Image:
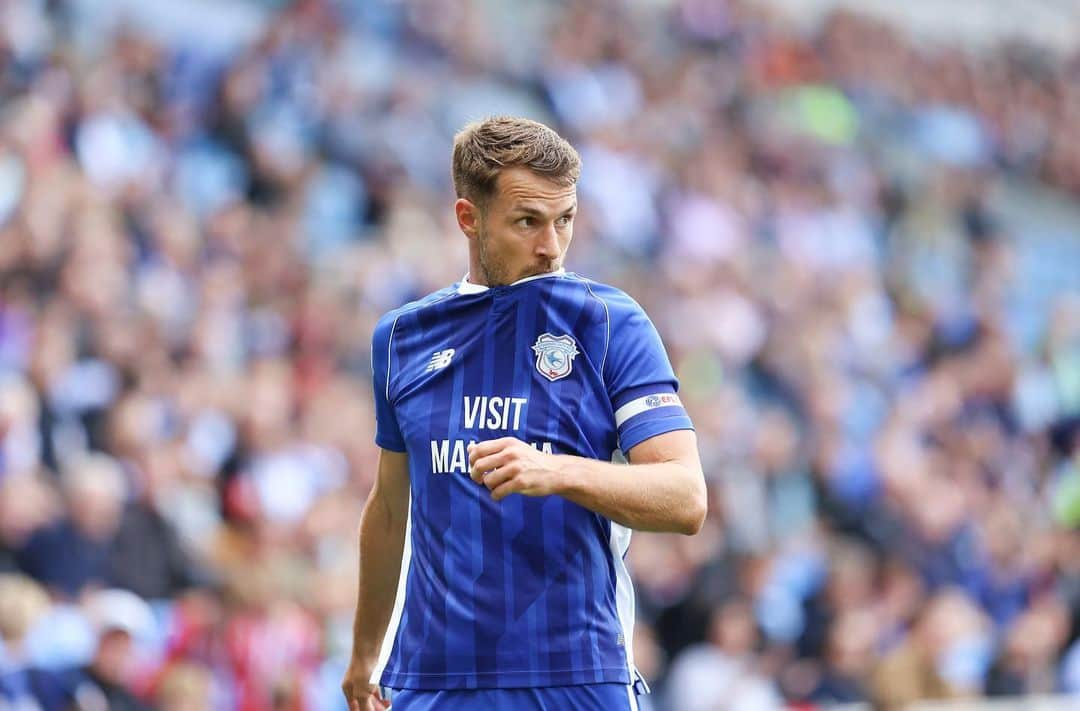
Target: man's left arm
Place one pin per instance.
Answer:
(662, 489)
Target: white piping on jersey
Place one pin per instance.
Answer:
(618, 544)
(644, 403)
(467, 287)
(389, 351)
(607, 330)
(394, 625)
(390, 340)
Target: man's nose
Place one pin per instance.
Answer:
(547, 243)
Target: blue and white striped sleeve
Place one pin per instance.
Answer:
(387, 431)
(640, 381)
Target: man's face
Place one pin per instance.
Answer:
(95, 513)
(526, 227)
(114, 656)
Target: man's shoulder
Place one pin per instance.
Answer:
(386, 322)
(616, 301)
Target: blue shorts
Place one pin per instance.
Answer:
(586, 697)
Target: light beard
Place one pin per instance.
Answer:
(495, 271)
(492, 269)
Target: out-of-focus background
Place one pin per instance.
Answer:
(855, 224)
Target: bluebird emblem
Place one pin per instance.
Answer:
(554, 355)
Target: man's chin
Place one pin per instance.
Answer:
(507, 281)
(539, 271)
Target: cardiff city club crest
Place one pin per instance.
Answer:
(554, 355)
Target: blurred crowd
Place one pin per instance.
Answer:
(204, 211)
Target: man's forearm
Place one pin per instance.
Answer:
(382, 540)
(666, 496)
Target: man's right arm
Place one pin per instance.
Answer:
(382, 542)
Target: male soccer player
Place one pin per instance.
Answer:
(492, 544)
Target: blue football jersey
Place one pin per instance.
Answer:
(527, 591)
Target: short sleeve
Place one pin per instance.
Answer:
(640, 382)
(387, 432)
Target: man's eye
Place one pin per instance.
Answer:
(565, 220)
(526, 221)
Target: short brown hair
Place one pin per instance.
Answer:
(483, 148)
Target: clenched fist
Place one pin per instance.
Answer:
(509, 466)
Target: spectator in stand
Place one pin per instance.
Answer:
(185, 687)
(725, 671)
(74, 552)
(107, 681)
(946, 656)
(22, 684)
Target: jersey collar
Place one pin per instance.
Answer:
(467, 287)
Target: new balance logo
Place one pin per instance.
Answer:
(440, 360)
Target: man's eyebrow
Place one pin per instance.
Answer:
(530, 210)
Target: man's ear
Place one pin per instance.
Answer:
(468, 217)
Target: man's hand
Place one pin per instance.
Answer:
(509, 466)
(360, 693)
